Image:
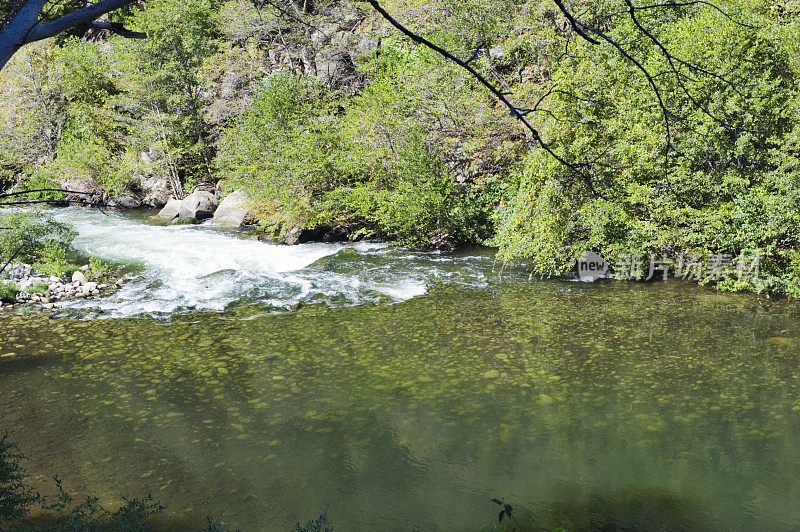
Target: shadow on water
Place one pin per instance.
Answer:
(649, 509)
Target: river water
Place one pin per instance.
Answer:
(260, 384)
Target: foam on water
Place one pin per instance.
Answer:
(198, 267)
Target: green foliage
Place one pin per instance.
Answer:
(731, 185)
(134, 516)
(16, 500)
(98, 269)
(93, 134)
(39, 180)
(281, 151)
(53, 259)
(310, 158)
(320, 524)
(8, 292)
(419, 152)
(38, 288)
(30, 236)
(161, 77)
(15, 497)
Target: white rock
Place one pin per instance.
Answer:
(78, 277)
(171, 210)
(232, 212)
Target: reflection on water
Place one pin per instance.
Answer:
(593, 406)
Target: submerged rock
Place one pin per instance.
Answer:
(232, 212)
(199, 205)
(185, 221)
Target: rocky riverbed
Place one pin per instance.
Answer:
(77, 286)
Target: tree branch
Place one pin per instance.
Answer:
(515, 112)
(118, 29)
(85, 15)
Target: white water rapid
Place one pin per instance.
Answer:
(198, 267)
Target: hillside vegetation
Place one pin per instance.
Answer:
(341, 121)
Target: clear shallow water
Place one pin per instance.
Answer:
(661, 406)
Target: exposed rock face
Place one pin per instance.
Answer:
(126, 201)
(143, 191)
(88, 190)
(292, 237)
(171, 210)
(155, 190)
(199, 205)
(232, 212)
(333, 64)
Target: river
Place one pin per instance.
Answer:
(260, 384)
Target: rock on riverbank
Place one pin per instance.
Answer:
(57, 289)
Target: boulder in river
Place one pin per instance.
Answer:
(232, 211)
(156, 190)
(299, 235)
(128, 200)
(199, 205)
(171, 210)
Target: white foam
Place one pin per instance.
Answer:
(199, 267)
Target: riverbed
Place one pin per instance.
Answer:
(261, 384)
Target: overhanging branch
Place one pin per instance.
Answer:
(515, 111)
(83, 16)
(118, 29)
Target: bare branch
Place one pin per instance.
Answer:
(514, 111)
(692, 3)
(576, 26)
(34, 191)
(14, 256)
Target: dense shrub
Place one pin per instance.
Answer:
(30, 236)
(731, 185)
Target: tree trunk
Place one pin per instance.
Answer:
(8, 47)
